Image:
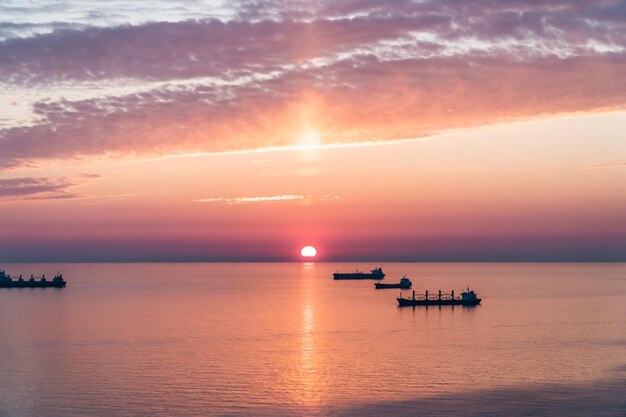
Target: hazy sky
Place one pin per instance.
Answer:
(398, 130)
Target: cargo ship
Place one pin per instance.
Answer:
(468, 298)
(7, 282)
(404, 284)
(376, 273)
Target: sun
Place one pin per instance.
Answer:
(308, 252)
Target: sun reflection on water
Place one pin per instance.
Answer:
(309, 378)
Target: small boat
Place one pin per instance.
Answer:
(468, 298)
(7, 282)
(404, 284)
(376, 273)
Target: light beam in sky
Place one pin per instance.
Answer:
(309, 139)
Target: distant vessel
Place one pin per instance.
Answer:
(7, 282)
(374, 274)
(468, 298)
(404, 284)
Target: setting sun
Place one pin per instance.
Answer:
(308, 252)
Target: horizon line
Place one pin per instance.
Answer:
(309, 261)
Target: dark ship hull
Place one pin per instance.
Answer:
(357, 275)
(408, 302)
(32, 284)
(380, 286)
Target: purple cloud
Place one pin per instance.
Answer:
(389, 99)
(395, 70)
(173, 50)
(35, 188)
(163, 51)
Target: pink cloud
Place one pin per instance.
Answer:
(387, 99)
(342, 67)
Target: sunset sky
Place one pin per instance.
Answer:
(398, 130)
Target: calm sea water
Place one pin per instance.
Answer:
(285, 339)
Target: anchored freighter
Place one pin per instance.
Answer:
(404, 284)
(468, 298)
(374, 274)
(7, 282)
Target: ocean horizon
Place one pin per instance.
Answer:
(357, 261)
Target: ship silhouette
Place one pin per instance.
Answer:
(7, 282)
(376, 273)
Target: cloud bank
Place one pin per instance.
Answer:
(354, 71)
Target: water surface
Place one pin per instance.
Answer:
(285, 339)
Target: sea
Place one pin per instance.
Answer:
(285, 339)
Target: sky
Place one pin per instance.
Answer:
(373, 130)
